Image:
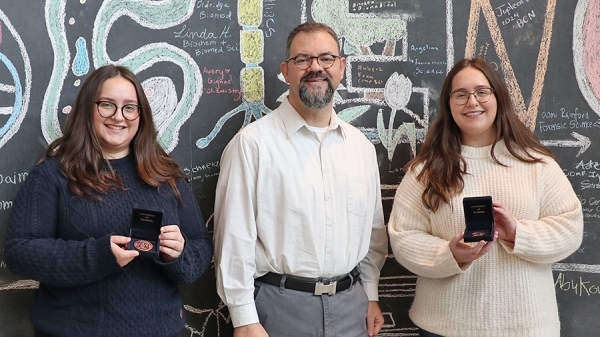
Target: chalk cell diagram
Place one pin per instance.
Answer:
(16, 86)
(169, 112)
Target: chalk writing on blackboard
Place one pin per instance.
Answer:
(396, 62)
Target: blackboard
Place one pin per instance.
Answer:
(212, 66)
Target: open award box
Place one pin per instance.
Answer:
(479, 219)
(144, 232)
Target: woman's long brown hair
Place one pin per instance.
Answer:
(80, 154)
(443, 166)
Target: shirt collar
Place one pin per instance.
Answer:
(292, 121)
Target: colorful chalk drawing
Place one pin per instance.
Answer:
(586, 45)
(19, 88)
(81, 61)
(393, 97)
(385, 28)
(55, 15)
(361, 31)
(154, 15)
(151, 14)
(528, 114)
(252, 76)
(358, 34)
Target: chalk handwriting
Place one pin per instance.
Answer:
(583, 173)
(367, 75)
(13, 179)
(578, 286)
(208, 4)
(269, 14)
(422, 49)
(507, 8)
(219, 81)
(589, 165)
(204, 15)
(214, 41)
(369, 5)
(5, 205)
(198, 172)
(186, 33)
(588, 184)
(198, 168)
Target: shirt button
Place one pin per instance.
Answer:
(327, 197)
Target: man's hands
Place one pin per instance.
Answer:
(250, 330)
(374, 318)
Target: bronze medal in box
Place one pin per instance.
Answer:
(144, 232)
(479, 219)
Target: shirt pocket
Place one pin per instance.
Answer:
(358, 193)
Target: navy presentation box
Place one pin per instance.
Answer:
(479, 219)
(144, 232)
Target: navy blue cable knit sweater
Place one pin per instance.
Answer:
(62, 241)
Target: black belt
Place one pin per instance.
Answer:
(316, 286)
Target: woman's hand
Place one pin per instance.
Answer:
(123, 255)
(464, 253)
(505, 223)
(171, 242)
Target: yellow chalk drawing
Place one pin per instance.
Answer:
(252, 77)
(250, 12)
(251, 45)
(253, 87)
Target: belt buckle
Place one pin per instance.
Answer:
(322, 288)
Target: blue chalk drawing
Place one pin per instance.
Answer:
(18, 95)
(81, 62)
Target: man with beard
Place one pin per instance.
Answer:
(299, 229)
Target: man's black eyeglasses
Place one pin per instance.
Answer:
(304, 61)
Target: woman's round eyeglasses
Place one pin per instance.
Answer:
(461, 97)
(304, 61)
(108, 109)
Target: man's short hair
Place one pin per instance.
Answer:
(309, 27)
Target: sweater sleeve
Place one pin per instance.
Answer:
(198, 251)
(33, 247)
(559, 230)
(411, 238)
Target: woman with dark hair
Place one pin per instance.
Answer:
(70, 224)
(479, 147)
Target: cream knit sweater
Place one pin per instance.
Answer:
(510, 290)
